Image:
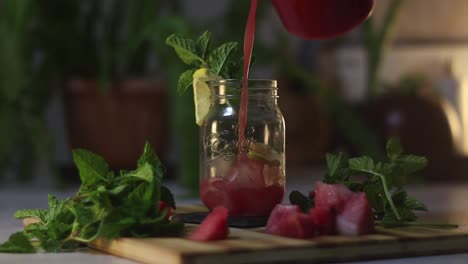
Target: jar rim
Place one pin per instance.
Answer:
(253, 83)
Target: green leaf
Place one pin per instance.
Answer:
(218, 57)
(335, 163)
(233, 68)
(374, 194)
(389, 220)
(35, 213)
(119, 189)
(411, 163)
(185, 81)
(203, 42)
(139, 200)
(395, 173)
(407, 214)
(414, 204)
(92, 168)
(167, 197)
(149, 156)
(186, 49)
(144, 172)
(123, 205)
(399, 197)
(362, 163)
(17, 243)
(56, 206)
(299, 199)
(394, 148)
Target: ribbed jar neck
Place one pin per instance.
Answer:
(232, 88)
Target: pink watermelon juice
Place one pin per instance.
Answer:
(250, 188)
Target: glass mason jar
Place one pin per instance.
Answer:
(250, 180)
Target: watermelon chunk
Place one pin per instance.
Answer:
(290, 221)
(353, 211)
(213, 227)
(331, 196)
(247, 173)
(163, 206)
(324, 220)
(356, 217)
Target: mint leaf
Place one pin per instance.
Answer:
(92, 168)
(203, 42)
(299, 199)
(118, 190)
(335, 163)
(399, 197)
(411, 163)
(414, 204)
(32, 213)
(149, 156)
(374, 194)
(396, 173)
(123, 204)
(167, 197)
(17, 243)
(394, 148)
(362, 163)
(56, 207)
(185, 81)
(144, 172)
(233, 68)
(218, 57)
(186, 49)
(222, 61)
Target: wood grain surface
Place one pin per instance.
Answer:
(255, 246)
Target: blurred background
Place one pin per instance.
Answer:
(97, 75)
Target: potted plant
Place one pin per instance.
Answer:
(105, 58)
(24, 92)
(419, 119)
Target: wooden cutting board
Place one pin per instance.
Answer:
(255, 246)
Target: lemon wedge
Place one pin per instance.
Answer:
(202, 93)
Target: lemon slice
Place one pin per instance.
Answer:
(202, 93)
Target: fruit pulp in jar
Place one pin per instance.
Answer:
(251, 185)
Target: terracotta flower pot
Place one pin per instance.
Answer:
(423, 127)
(116, 125)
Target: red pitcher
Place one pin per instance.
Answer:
(319, 19)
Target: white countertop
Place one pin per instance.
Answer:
(443, 199)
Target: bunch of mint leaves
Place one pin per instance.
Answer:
(223, 60)
(108, 205)
(382, 181)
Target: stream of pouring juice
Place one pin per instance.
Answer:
(249, 37)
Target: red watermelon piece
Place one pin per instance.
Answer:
(213, 227)
(356, 217)
(247, 173)
(290, 221)
(331, 196)
(324, 220)
(162, 205)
